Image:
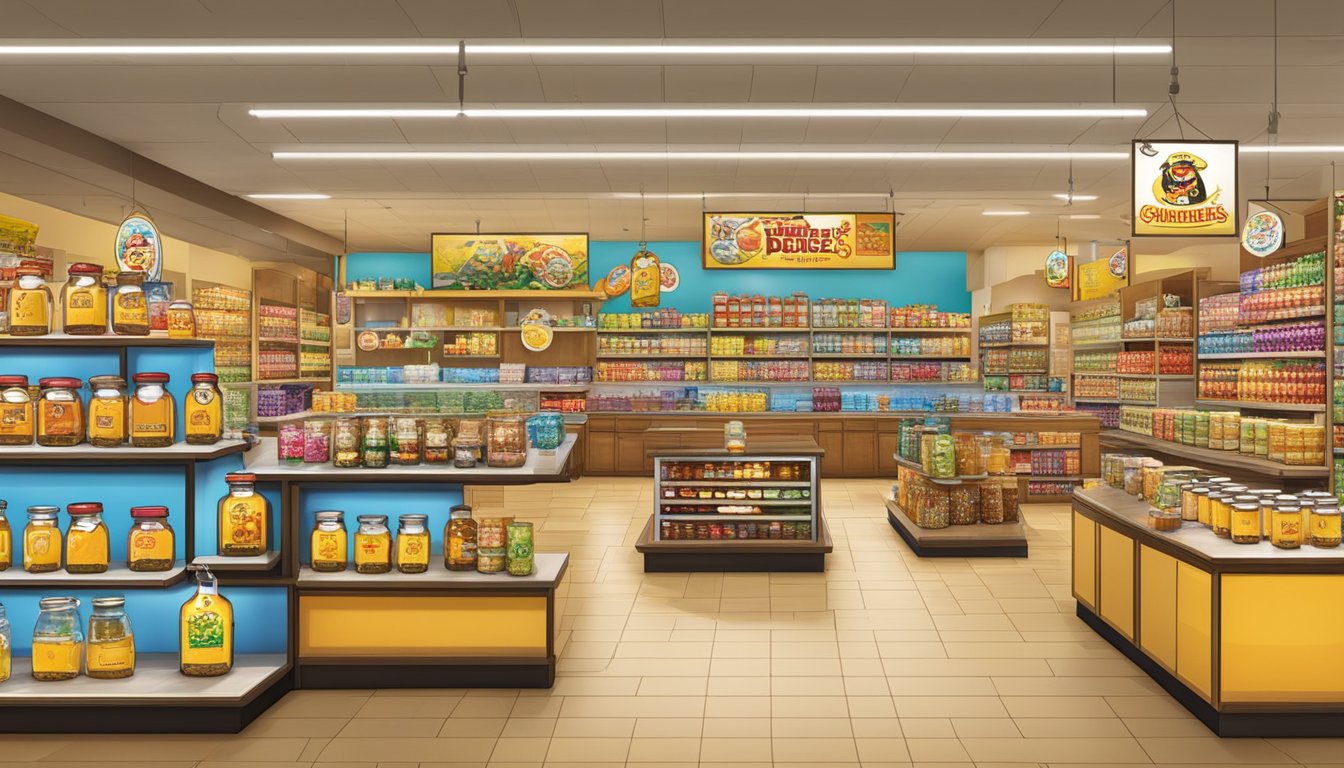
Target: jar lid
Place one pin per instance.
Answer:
(28, 271)
(1219, 495)
(150, 377)
(149, 511)
(180, 304)
(525, 524)
(1247, 507)
(330, 516)
(43, 511)
(414, 519)
(1200, 489)
(1234, 488)
(204, 378)
(60, 382)
(1326, 512)
(58, 603)
(13, 381)
(108, 602)
(1288, 508)
(381, 519)
(84, 268)
(85, 508)
(105, 382)
(1306, 503)
(1285, 497)
(1220, 480)
(130, 277)
(240, 477)
(1246, 498)
(1265, 491)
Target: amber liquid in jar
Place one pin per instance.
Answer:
(150, 544)
(244, 518)
(6, 540)
(1286, 528)
(86, 542)
(328, 543)
(42, 541)
(412, 544)
(153, 412)
(459, 551)
(29, 304)
(373, 545)
(130, 306)
(60, 413)
(85, 301)
(203, 411)
(107, 412)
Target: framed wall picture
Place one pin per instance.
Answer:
(509, 262)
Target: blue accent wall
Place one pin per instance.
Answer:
(919, 278)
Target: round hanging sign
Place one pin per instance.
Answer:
(139, 248)
(1262, 234)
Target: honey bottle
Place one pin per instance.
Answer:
(244, 518)
(205, 640)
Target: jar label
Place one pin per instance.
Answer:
(83, 308)
(151, 413)
(130, 309)
(243, 525)
(16, 419)
(203, 416)
(372, 549)
(107, 418)
(6, 546)
(151, 545)
(60, 419)
(412, 549)
(328, 547)
(41, 546)
(51, 657)
(205, 632)
(28, 308)
(112, 656)
(461, 550)
(86, 546)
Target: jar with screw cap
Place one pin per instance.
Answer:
(109, 644)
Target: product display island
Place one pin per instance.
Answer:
(971, 538)
(1245, 636)
(753, 510)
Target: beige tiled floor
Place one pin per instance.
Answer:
(885, 660)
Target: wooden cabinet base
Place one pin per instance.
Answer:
(729, 556)
(1003, 540)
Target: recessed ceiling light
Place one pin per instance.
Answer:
(701, 195)
(1006, 213)
(1289, 149)
(289, 196)
(694, 155)
(1076, 198)
(1084, 216)
(656, 49)
(670, 112)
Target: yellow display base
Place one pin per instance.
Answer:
(1281, 638)
(384, 626)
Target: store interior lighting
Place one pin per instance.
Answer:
(670, 112)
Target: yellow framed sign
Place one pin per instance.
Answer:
(798, 241)
(1184, 188)
(1102, 277)
(516, 262)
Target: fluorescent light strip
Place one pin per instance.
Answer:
(585, 113)
(289, 196)
(64, 48)
(695, 155)
(1081, 216)
(1006, 213)
(1076, 198)
(1293, 149)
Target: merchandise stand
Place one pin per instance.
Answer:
(663, 554)
(1246, 637)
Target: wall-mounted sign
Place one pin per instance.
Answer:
(1184, 188)
(799, 241)
(139, 248)
(616, 282)
(1057, 269)
(537, 337)
(1103, 276)
(1263, 233)
(509, 262)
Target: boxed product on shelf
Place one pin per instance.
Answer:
(453, 375)
(512, 373)
(1267, 381)
(1096, 386)
(559, 374)
(1107, 413)
(1135, 361)
(927, 316)
(760, 311)
(955, 345)
(860, 344)
(759, 370)
(277, 364)
(849, 313)
(691, 345)
(1219, 313)
(1146, 309)
(665, 317)
(1030, 322)
(763, 345)
(473, 343)
(1095, 362)
(563, 402)
(273, 401)
(1028, 360)
(650, 370)
(860, 370)
(1175, 323)
(334, 402)
(1138, 389)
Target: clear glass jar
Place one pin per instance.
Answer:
(406, 430)
(130, 306)
(87, 548)
(375, 451)
(110, 644)
(60, 412)
(519, 544)
(506, 441)
(1220, 514)
(181, 320)
(244, 518)
(58, 641)
(1246, 523)
(438, 439)
(84, 300)
(153, 421)
(107, 411)
(412, 544)
(328, 543)
(1325, 527)
(459, 551)
(1285, 530)
(6, 646)
(346, 444)
(203, 411)
(373, 545)
(205, 639)
(151, 544)
(6, 538)
(316, 441)
(29, 304)
(42, 540)
(17, 420)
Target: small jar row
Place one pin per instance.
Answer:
(85, 303)
(85, 546)
(56, 416)
(488, 545)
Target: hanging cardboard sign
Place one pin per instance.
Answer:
(799, 241)
(1184, 188)
(1103, 276)
(1263, 233)
(646, 278)
(139, 247)
(1057, 269)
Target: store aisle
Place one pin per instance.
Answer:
(884, 660)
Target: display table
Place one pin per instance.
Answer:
(978, 540)
(766, 498)
(1245, 636)
(1232, 463)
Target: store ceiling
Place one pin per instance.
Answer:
(191, 114)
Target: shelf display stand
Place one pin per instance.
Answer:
(721, 511)
(187, 479)
(1006, 539)
(1242, 635)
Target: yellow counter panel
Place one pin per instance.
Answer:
(1157, 606)
(380, 626)
(1116, 581)
(1085, 560)
(1194, 629)
(1282, 638)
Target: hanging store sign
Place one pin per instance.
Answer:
(139, 247)
(799, 241)
(519, 262)
(1263, 233)
(1103, 276)
(1057, 270)
(1184, 188)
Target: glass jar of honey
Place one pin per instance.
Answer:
(1220, 514)
(328, 545)
(130, 307)
(181, 320)
(203, 410)
(60, 412)
(1201, 493)
(459, 550)
(29, 304)
(153, 411)
(412, 544)
(1245, 523)
(58, 640)
(87, 548)
(110, 643)
(17, 423)
(42, 540)
(1285, 526)
(1189, 502)
(6, 646)
(150, 546)
(84, 300)
(107, 411)
(373, 545)
(1325, 527)
(6, 538)
(244, 518)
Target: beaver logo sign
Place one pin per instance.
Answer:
(1185, 188)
